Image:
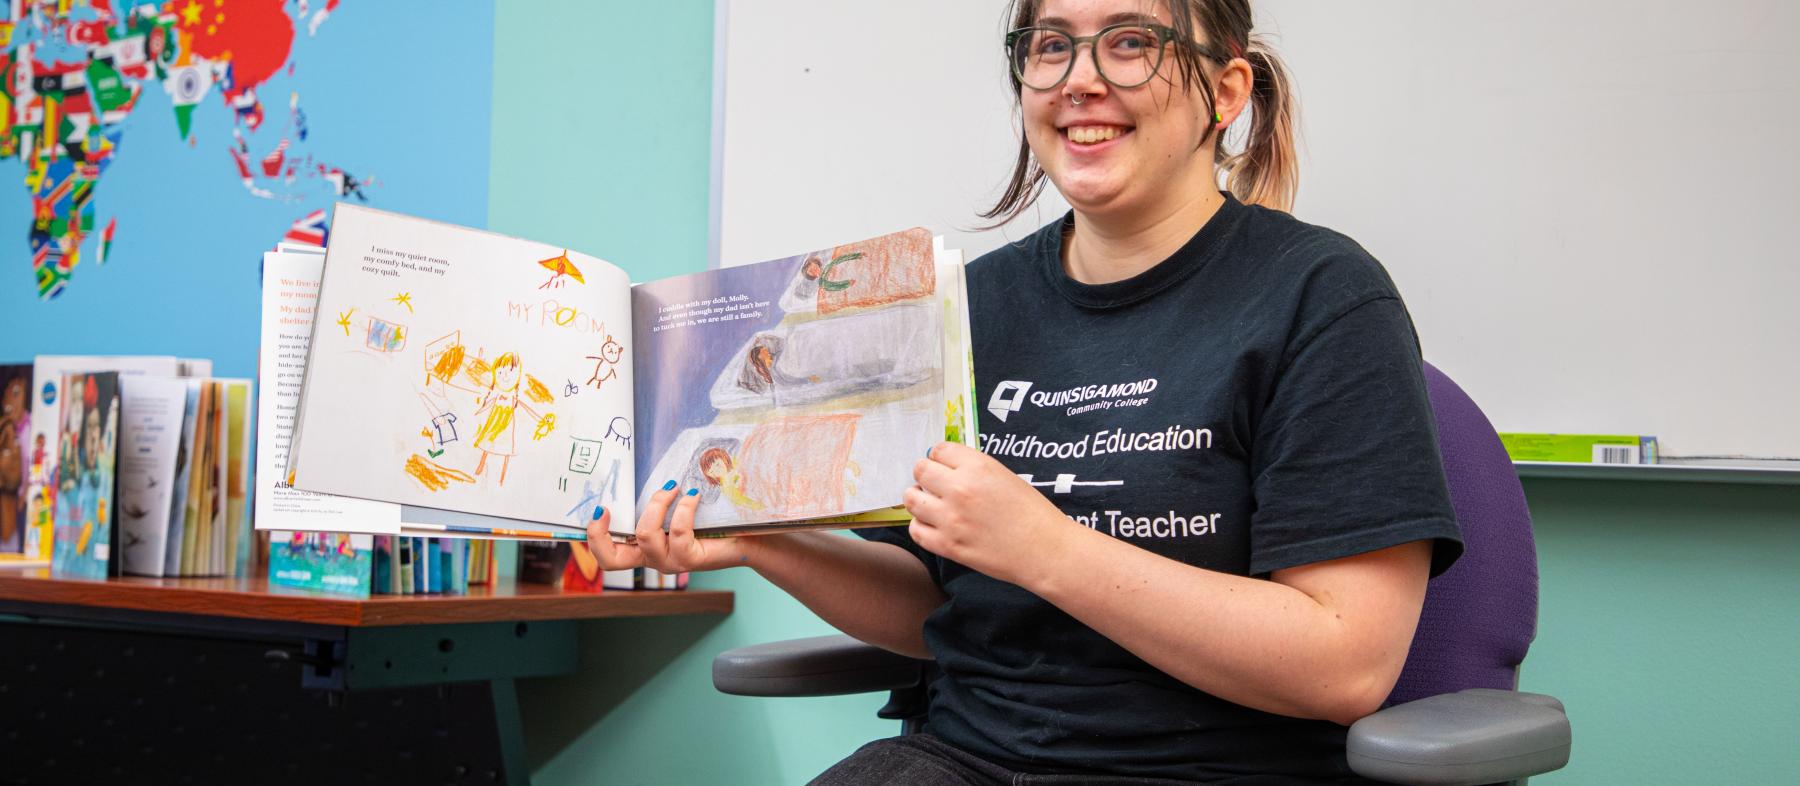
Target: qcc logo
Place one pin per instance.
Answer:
(1009, 397)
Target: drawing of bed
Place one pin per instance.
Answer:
(796, 467)
(883, 349)
(887, 269)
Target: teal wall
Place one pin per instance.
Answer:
(602, 129)
(1670, 612)
(601, 139)
(1669, 625)
(642, 710)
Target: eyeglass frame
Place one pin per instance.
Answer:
(1166, 35)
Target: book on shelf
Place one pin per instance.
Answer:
(137, 465)
(49, 438)
(570, 566)
(362, 565)
(1580, 448)
(87, 477)
(15, 459)
(469, 383)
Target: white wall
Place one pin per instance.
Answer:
(850, 120)
(1583, 201)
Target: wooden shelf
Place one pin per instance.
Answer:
(255, 599)
(1756, 473)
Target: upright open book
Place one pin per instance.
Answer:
(494, 386)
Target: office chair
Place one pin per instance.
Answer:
(1454, 717)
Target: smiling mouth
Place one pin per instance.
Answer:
(1093, 135)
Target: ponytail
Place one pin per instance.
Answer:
(1267, 171)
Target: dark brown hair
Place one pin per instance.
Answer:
(1266, 172)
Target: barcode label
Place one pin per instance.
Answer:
(1615, 454)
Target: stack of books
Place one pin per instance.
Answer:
(362, 565)
(126, 464)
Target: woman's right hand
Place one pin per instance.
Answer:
(674, 551)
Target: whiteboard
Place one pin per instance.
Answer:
(1582, 201)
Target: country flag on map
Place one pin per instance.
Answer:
(310, 230)
(51, 269)
(106, 236)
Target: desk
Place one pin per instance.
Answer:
(204, 680)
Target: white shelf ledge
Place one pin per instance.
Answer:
(1754, 472)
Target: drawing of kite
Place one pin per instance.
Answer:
(560, 268)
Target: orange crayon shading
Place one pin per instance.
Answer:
(477, 371)
(448, 363)
(536, 391)
(434, 476)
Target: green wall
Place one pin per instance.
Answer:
(1670, 611)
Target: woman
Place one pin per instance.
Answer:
(1237, 570)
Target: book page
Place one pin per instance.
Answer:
(792, 389)
(149, 447)
(290, 295)
(459, 369)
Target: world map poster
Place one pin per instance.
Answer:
(150, 152)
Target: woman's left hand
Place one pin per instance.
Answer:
(969, 508)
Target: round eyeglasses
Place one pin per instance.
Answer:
(1125, 55)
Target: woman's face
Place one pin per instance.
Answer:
(1151, 153)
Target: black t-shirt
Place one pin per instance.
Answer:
(1252, 403)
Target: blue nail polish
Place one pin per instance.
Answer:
(668, 485)
(928, 451)
(599, 510)
(692, 492)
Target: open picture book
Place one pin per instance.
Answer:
(496, 387)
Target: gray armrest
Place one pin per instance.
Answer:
(1474, 736)
(819, 666)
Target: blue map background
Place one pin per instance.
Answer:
(400, 91)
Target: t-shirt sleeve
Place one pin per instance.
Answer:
(898, 536)
(1346, 456)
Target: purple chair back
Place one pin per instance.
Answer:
(1480, 615)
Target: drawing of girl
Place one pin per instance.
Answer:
(498, 433)
(718, 469)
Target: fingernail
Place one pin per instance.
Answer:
(668, 485)
(692, 492)
(599, 510)
(928, 451)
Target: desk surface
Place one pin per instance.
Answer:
(255, 599)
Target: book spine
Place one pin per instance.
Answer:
(1581, 448)
(382, 564)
